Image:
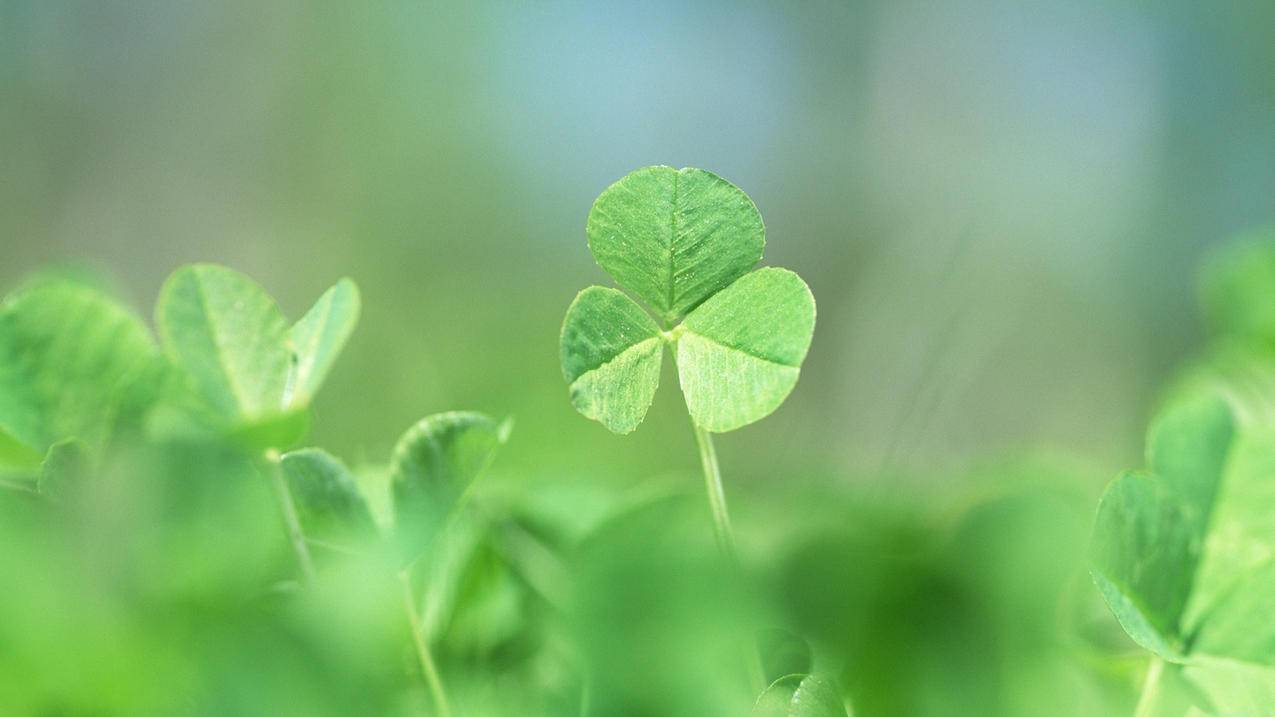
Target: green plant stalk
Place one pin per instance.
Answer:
(726, 537)
(428, 666)
(291, 521)
(1150, 689)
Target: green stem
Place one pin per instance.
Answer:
(1150, 689)
(725, 536)
(428, 667)
(290, 519)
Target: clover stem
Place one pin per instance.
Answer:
(291, 520)
(428, 667)
(725, 535)
(1150, 689)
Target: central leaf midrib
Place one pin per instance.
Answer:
(669, 312)
(738, 349)
(214, 334)
(614, 358)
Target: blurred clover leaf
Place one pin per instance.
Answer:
(433, 467)
(247, 367)
(69, 355)
(1184, 554)
(800, 696)
(684, 242)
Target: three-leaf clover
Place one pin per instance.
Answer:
(1184, 553)
(684, 242)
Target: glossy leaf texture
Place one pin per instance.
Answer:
(330, 507)
(800, 696)
(68, 357)
(432, 467)
(317, 339)
(1185, 554)
(740, 353)
(611, 352)
(674, 237)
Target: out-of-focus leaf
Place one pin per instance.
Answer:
(329, 504)
(317, 339)
(64, 469)
(783, 653)
(67, 356)
(675, 237)
(1234, 688)
(741, 351)
(229, 336)
(800, 696)
(280, 429)
(1184, 555)
(611, 353)
(433, 465)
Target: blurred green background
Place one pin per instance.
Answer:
(999, 206)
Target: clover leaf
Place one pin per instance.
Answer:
(69, 355)
(247, 367)
(1184, 554)
(432, 468)
(685, 242)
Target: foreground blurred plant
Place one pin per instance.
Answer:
(1184, 553)
(685, 242)
(76, 368)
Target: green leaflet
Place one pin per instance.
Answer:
(741, 351)
(800, 696)
(68, 357)
(684, 241)
(241, 361)
(331, 508)
(229, 336)
(317, 339)
(611, 352)
(1184, 554)
(675, 237)
(433, 465)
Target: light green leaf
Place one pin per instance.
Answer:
(675, 237)
(739, 354)
(229, 336)
(611, 352)
(331, 508)
(800, 696)
(1235, 689)
(317, 340)
(433, 466)
(68, 355)
(1184, 556)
